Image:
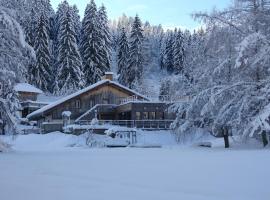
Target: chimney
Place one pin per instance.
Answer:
(108, 76)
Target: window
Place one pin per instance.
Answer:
(92, 103)
(56, 115)
(78, 104)
(145, 115)
(105, 101)
(159, 115)
(152, 115)
(138, 116)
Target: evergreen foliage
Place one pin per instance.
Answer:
(123, 58)
(178, 53)
(69, 77)
(135, 64)
(90, 45)
(105, 40)
(41, 73)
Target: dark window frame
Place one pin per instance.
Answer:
(78, 104)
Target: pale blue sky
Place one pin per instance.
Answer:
(169, 13)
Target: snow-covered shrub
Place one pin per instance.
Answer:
(242, 107)
(4, 147)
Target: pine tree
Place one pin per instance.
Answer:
(69, 76)
(168, 54)
(30, 28)
(123, 58)
(165, 89)
(105, 40)
(90, 45)
(135, 65)
(58, 18)
(41, 73)
(178, 53)
(77, 23)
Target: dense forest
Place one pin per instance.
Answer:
(223, 67)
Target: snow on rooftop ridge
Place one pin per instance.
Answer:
(109, 73)
(25, 87)
(62, 100)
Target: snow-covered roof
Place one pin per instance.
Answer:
(64, 99)
(25, 87)
(48, 99)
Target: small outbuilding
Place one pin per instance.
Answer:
(28, 95)
(27, 92)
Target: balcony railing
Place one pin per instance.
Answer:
(163, 99)
(141, 124)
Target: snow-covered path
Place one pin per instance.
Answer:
(132, 174)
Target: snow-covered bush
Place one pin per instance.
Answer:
(242, 107)
(4, 147)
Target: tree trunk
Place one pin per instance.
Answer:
(226, 141)
(226, 137)
(264, 139)
(3, 128)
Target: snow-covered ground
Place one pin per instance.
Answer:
(58, 166)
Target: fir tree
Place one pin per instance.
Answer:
(69, 62)
(105, 40)
(41, 73)
(178, 53)
(123, 56)
(135, 65)
(90, 45)
(77, 23)
(30, 28)
(61, 12)
(168, 54)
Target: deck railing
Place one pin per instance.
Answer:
(162, 98)
(143, 124)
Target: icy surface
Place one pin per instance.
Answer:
(46, 167)
(25, 87)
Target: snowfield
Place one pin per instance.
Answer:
(57, 166)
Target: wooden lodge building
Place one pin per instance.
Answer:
(28, 95)
(109, 102)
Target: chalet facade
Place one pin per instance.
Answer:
(106, 100)
(27, 92)
(28, 95)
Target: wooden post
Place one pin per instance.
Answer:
(264, 138)
(226, 137)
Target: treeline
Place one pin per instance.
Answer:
(72, 53)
